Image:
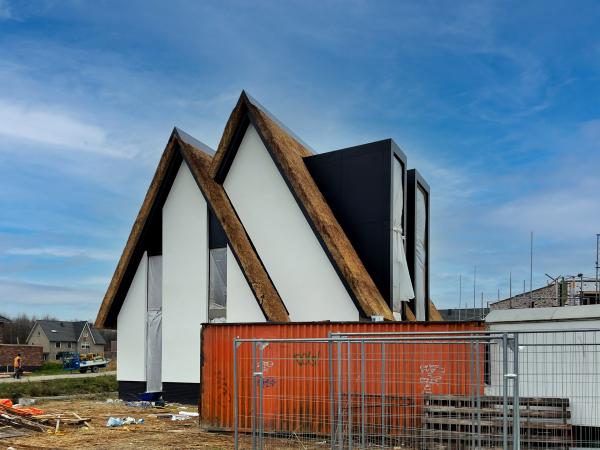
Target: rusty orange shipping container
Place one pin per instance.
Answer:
(302, 381)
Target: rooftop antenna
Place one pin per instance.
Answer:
(474, 284)
(555, 280)
(531, 266)
(481, 305)
(459, 294)
(510, 290)
(597, 267)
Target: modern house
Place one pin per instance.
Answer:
(263, 229)
(58, 337)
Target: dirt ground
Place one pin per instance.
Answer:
(154, 433)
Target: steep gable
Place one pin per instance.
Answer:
(287, 152)
(182, 147)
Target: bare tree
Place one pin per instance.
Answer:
(16, 331)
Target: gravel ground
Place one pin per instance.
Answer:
(153, 434)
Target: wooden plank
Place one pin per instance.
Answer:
(85, 421)
(532, 401)
(532, 413)
(462, 436)
(495, 423)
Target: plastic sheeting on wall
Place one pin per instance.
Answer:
(217, 290)
(154, 325)
(421, 255)
(402, 288)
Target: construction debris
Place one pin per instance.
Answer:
(119, 422)
(17, 420)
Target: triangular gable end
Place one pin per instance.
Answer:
(287, 152)
(182, 147)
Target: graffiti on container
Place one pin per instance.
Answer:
(266, 366)
(307, 358)
(431, 375)
(269, 382)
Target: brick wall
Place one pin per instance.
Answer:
(32, 355)
(541, 298)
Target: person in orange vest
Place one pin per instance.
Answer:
(18, 365)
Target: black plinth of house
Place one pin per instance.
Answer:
(415, 183)
(129, 390)
(357, 184)
(184, 393)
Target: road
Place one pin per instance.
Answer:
(57, 377)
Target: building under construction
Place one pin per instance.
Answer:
(564, 291)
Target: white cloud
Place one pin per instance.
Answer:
(63, 252)
(50, 126)
(67, 303)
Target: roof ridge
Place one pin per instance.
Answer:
(191, 140)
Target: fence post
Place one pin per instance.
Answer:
(339, 382)
(471, 392)
(478, 390)
(383, 394)
(331, 389)
(505, 391)
(363, 437)
(516, 405)
(253, 405)
(235, 396)
(349, 396)
(261, 418)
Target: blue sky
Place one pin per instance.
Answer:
(496, 103)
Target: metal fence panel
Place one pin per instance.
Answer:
(493, 390)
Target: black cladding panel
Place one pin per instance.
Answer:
(356, 182)
(416, 183)
(216, 234)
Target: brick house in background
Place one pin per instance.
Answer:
(57, 337)
(3, 320)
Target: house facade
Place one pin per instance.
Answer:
(57, 337)
(263, 229)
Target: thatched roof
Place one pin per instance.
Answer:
(182, 147)
(288, 152)
(209, 170)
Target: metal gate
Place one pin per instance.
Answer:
(378, 390)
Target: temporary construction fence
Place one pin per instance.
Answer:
(363, 391)
(217, 362)
(420, 390)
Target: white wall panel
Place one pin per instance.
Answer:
(131, 328)
(291, 253)
(241, 303)
(185, 278)
(554, 364)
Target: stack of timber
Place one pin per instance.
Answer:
(465, 422)
(15, 422)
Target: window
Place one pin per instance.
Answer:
(68, 345)
(57, 344)
(217, 288)
(85, 345)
